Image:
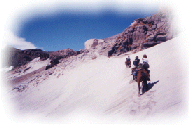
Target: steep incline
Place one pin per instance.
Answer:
(101, 89)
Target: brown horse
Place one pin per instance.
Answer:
(128, 64)
(142, 76)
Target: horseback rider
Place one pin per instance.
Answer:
(140, 66)
(136, 62)
(128, 61)
(145, 64)
(135, 69)
(141, 73)
(128, 58)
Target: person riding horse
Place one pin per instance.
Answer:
(128, 62)
(134, 70)
(136, 62)
(143, 74)
(145, 64)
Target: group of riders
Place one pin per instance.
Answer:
(140, 71)
(139, 65)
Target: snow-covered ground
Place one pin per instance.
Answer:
(101, 91)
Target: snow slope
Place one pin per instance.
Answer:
(101, 91)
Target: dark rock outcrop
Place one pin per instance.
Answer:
(143, 33)
(16, 57)
(33, 53)
(57, 55)
(63, 54)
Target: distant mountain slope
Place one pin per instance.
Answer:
(16, 57)
(101, 89)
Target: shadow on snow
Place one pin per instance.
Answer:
(149, 86)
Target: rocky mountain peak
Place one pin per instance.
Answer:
(141, 34)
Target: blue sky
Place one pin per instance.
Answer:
(62, 31)
(57, 25)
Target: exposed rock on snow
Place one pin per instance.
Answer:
(16, 57)
(92, 43)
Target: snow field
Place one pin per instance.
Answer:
(101, 90)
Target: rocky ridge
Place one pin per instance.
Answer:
(16, 57)
(141, 34)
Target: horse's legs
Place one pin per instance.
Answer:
(145, 86)
(139, 88)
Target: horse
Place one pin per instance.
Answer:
(128, 64)
(142, 76)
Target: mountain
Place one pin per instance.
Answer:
(17, 58)
(141, 34)
(102, 88)
(89, 87)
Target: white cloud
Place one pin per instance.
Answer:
(20, 43)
